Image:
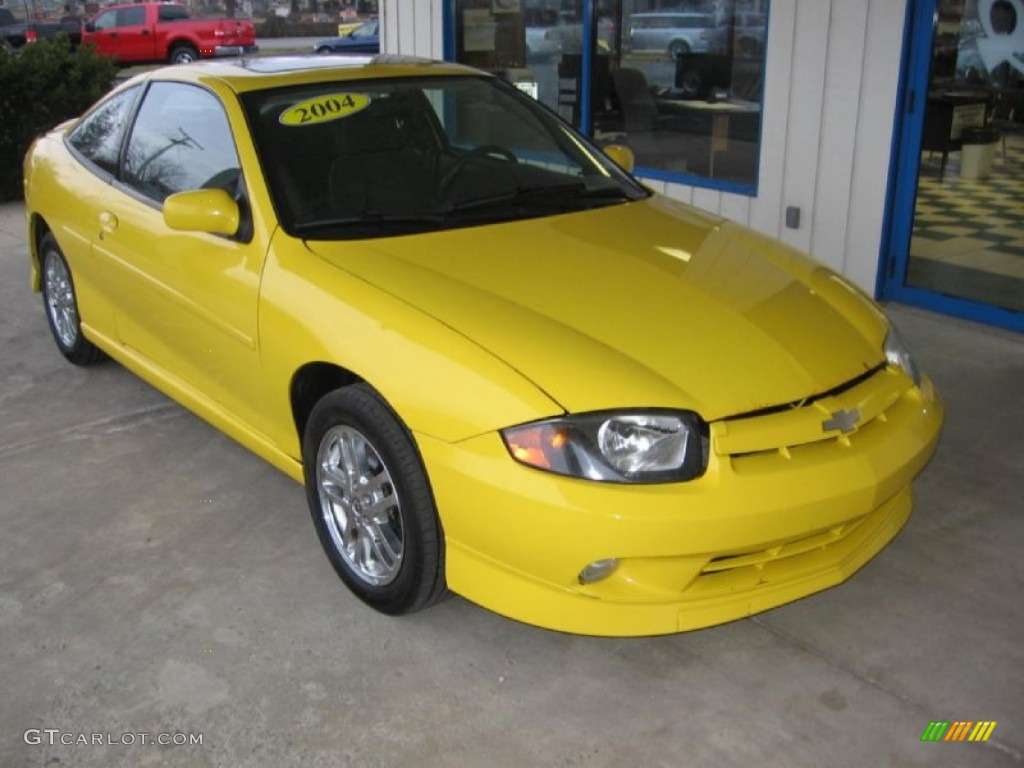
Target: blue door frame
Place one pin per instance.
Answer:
(902, 195)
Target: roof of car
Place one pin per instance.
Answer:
(256, 73)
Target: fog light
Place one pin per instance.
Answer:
(597, 570)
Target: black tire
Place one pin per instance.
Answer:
(61, 304)
(323, 49)
(394, 512)
(183, 54)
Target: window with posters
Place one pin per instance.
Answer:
(680, 82)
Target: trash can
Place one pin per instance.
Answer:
(979, 148)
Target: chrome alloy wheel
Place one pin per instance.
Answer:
(360, 506)
(60, 300)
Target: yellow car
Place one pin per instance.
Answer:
(500, 365)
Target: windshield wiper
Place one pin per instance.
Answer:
(562, 196)
(372, 219)
(559, 197)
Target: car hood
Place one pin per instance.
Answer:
(645, 304)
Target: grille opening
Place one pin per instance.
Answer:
(812, 398)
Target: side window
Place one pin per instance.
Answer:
(172, 13)
(369, 29)
(106, 20)
(181, 140)
(131, 17)
(98, 137)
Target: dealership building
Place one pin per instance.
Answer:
(882, 137)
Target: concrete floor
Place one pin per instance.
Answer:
(155, 577)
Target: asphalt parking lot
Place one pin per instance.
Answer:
(158, 579)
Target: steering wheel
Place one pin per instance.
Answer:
(493, 151)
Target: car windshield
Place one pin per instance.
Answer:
(387, 157)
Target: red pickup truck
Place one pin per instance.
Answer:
(154, 32)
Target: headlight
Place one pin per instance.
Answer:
(620, 447)
(897, 354)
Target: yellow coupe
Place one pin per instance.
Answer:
(499, 364)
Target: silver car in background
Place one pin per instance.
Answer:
(672, 33)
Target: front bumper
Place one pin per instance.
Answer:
(767, 523)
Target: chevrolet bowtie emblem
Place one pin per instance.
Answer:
(844, 421)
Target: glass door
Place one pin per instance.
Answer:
(956, 235)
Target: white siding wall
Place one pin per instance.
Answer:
(413, 27)
(830, 99)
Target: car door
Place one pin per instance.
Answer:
(186, 302)
(364, 39)
(123, 33)
(96, 143)
(103, 32)
(642, 34)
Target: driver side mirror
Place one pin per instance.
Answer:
(621, 155)
(90, 27)
(203, 210)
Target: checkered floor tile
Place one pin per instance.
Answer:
(976, 224)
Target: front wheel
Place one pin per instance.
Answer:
(183, 54)
(371, 502)
(62, 306)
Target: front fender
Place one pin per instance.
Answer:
(439, 382)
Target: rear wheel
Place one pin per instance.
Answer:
(371, 502)
(183, 54)
(62, 306)
(677, 48)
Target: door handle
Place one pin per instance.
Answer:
(108, 223)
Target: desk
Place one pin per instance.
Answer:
(945, 117)
(718, 120)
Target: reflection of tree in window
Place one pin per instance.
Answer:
(156, 175)
(98, 136)
(181, 141)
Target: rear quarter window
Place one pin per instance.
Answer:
(98, 137)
